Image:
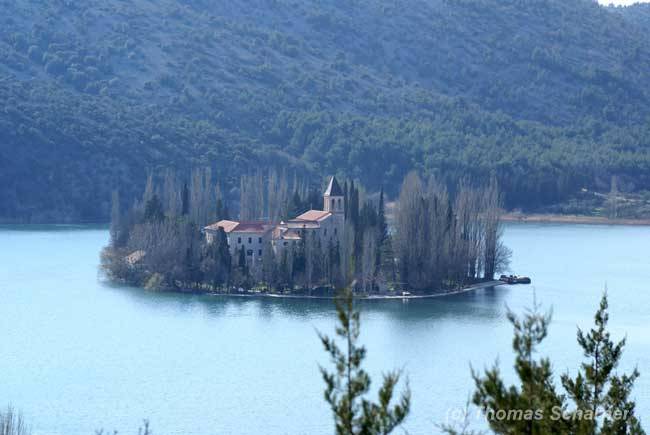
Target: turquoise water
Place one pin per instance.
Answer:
(77, 354)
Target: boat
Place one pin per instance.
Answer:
(514, 279)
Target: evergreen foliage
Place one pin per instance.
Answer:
(348, 385)
(597, 400)
(550, 96)
(598, 390)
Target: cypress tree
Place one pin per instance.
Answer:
(116, 221)
(225, 213)
(296, 206)
(185, 200)
(346, 196)
(381, 217)
(242, 262)
(284, 270)
(153, 211)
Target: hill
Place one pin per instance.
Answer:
(550, 95)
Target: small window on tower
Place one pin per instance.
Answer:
(339, 203)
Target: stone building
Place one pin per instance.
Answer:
(327, 224)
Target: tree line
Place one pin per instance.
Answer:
(442, 241)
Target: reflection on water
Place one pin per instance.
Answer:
(485, 303)
(78, 353)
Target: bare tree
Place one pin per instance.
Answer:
(12, 423)
(442, 243)
(369, 259)
(492, 230)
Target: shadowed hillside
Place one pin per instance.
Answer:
(550, 94)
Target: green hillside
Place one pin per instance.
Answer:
(550, 95)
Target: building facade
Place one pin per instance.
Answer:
(327, 225)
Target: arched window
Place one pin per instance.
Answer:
(332, 208)
(340, 208)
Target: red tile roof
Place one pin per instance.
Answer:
(227, 225)
(241, 227)
(314, 215)
(253, 227)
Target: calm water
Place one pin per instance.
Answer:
(77, 354)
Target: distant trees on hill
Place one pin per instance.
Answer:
(107, 92)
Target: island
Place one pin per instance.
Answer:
(430, 242)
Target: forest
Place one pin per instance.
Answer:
(548, 96)
(436, 241)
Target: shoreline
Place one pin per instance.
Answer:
(571, 219)
(470, 288)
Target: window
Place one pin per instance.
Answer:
(259, 252)
(259, 240)
(335, 231)
(250, 240)
(340, 204)
(332, 205)
(325, 232)
(239, 240)
(249, 252)
(286, 243)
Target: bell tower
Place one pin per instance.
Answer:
(333, 198)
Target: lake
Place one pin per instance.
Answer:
(78, 354)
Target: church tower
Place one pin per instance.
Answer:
(333, 198)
